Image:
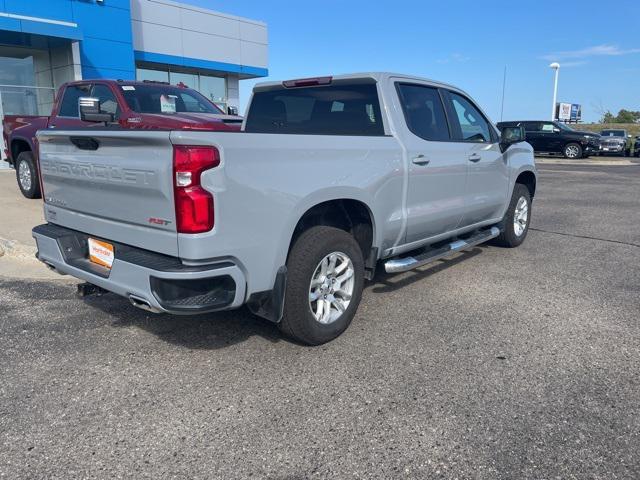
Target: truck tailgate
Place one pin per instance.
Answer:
(114, 184)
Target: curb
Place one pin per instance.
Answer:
(18, 261)
(563, 161)
(13, 249)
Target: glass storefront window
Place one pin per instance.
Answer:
(214, 88)
(187, 79)
(153, 75)
(26, 81)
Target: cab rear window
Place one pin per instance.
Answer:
(339, 109)
(166, 99)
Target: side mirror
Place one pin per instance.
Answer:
(511, 135)
(556, 130)
(90, 111)
(232, 110)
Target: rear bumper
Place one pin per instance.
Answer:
(152, 281)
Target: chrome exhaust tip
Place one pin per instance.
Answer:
(142, 303)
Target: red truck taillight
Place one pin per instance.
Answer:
(194, 205)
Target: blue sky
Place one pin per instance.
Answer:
(466, 43)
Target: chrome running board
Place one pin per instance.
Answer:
(396, 265)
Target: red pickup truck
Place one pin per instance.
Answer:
(134, 105)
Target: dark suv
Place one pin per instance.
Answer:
(557, 138)
(616, 141)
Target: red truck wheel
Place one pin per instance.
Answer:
(27, 175)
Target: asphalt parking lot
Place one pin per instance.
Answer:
(498, 363)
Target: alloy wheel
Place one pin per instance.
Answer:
(24, 175)
(520, 216)
(331, 287)
(572, 151)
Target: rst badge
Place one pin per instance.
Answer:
(158, 221)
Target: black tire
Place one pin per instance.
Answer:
(298, 321)
(508, 237)
(570, 148)
(30, 187)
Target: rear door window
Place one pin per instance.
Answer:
(424, 112)
(338, 109)
(69, 103)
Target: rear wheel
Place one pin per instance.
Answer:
(324, 285)
(572, 150)
(27, 175)
(516, 220)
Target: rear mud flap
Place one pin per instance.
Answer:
(270, 304)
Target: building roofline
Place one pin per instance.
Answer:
(188, 6)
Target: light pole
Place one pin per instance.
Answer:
(554, 66)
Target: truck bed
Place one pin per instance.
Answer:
(264, 183)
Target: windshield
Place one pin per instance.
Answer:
(612, 133)
(564, 127)
(166, 99)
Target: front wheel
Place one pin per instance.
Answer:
(27, 175)
(572, 150)
(324, 285)
(516, 220)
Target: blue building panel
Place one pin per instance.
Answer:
(104, 32)
(107, 45)
(49, 9)
(111, 73)
(10, 24)
(50, 30)
(203, 64)
(40, 17)
(103, 54)
(103, 21)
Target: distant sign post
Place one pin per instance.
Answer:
(564, 112)
(576, 112)
(569, 112)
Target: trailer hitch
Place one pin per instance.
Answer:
(86, 289)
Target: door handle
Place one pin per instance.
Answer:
(474, 157)
(420, 160)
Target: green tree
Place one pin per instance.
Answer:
(623, 116)
(608, 117)
(627, 116)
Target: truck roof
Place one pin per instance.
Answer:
(125, 82)
(378, 76)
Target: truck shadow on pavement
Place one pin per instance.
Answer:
(224, 329)
(384, 282)
(208, 331)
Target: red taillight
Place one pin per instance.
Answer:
(194, 205)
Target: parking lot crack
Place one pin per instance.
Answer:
(586, 237)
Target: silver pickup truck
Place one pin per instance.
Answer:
(330, 177)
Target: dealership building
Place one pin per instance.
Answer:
(44, 43)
